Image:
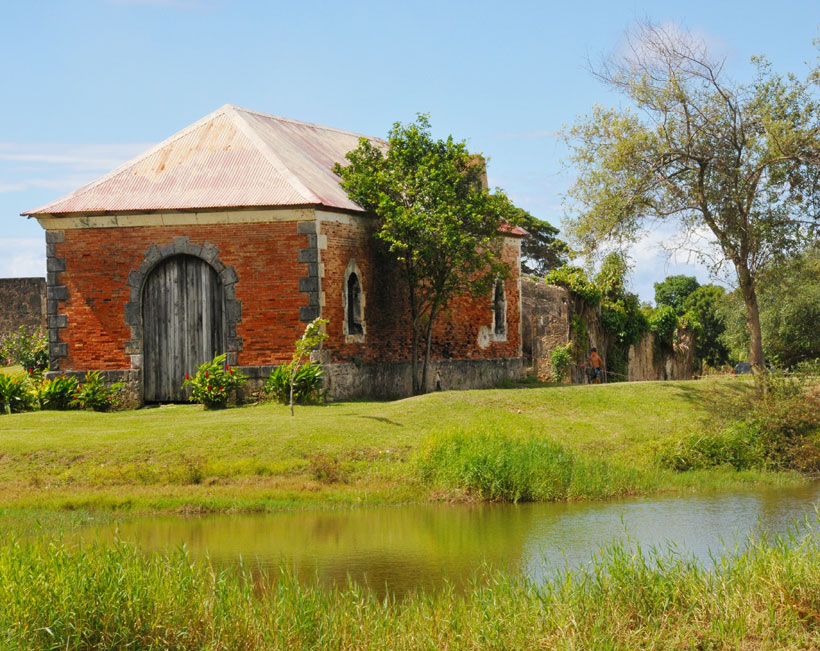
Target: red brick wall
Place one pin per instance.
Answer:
(98, 261)
(388, 329)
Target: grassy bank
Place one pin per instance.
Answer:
(602, 441)
(767, 597)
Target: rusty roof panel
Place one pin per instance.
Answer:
(230, 158)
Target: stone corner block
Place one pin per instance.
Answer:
(308, 313)
(306, 228)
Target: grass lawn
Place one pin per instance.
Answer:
(182, 458)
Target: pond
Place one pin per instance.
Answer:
(406, 547)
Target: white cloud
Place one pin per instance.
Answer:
(80, 157)
(23, 257)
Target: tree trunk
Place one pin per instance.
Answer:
(414, 356)
(427, 352)
(756, 361)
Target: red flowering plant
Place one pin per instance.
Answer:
(213, 383)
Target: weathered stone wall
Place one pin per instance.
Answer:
(22, 303)
(647, 362)
(547, 316)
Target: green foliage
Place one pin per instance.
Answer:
(493, 465)
(434, 217)
(738, 162)
(775, 429)
(789, 301)
(213, 383)
(27, 349)
(16, 394)
(93, 394)
(58, 393)
(702, 309)
(575, 280)
(561, 358)
(611, 279)
(664, 322)
(674, 291)
(307, 384)
(541, 250)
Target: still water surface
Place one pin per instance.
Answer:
(407, 547)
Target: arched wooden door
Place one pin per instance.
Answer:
(182, 317)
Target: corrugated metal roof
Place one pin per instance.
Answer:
(231, 158)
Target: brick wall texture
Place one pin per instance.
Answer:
(22, 303)
(266, 257)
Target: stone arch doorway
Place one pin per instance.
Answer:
(183, 320)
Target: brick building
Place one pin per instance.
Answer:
(229, 237)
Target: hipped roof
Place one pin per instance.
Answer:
(231, 158)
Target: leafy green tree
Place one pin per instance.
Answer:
(789, 296)
(541, 250)
(674, 290)
(435, 218)
(737, 162)
(611, 279)
(704, 304)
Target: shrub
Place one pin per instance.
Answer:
(213, 383)
(738, 446)
(561, 358)
(28, 349)
(575, 280)
(307, 384)
(57, 393)
(16, 394)
(664, 322)
(93, 394)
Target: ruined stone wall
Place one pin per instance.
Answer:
(22, 303)
(547, 317)
(648, 362)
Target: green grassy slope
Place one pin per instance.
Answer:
(181, 457)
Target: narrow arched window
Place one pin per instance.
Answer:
(354, 305)
(499, 308)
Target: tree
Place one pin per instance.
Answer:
(434, 217)
(789, 296)
(674, 290)
(736, 163)
(312, 337)
(704, 304)
(541, 250)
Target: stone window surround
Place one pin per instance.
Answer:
(352, 268)
(499, 336)
(155, 255)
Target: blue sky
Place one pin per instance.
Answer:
(87, 84)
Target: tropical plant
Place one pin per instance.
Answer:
(213, 383)
(311, 339)
(16, 394)
(307, 384)
(58, 393)
(93, 394)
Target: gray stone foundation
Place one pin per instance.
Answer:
(386, 381)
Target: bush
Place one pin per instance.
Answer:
(774, 429)
(58, 393)
(307, 385)
(213, 383)
(575, 280)
(561, 358)
(28, 349)
(93, 394)
(664, 322)
(16, 394)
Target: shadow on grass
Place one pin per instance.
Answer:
(381, 419)
(724, 400)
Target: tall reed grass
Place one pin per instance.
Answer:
(58, 597)
(492, 465)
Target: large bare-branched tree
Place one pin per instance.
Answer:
(736, 163)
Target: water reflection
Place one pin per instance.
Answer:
(402, 548)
